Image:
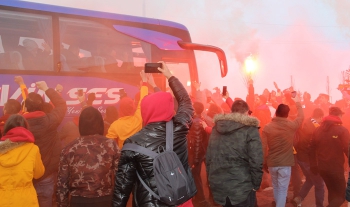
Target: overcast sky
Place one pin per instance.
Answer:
(301, 40)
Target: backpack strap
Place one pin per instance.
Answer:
(145, 151)
(169, 136)
(169, 143)
(148, 188)
(138, 148)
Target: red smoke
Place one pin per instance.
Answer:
(303, 52)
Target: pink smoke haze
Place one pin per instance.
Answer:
(307, 56)
(305, 40)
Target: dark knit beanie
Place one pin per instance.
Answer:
(198, 107)
(90, 122)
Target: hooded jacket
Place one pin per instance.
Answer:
(234, 157)
(152, 136)
(44, 128)
(129, 122)
(20, 162)
(329, 144)
(87, 164)
(277, 139)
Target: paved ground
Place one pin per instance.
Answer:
(265, 197)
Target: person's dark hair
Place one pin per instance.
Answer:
(198, 108)
(335, 111)
(317, 113)
(13, 121)
(111, 114)
(12, 106)
(239, 106)
(90, 122)
(282, 111)
(34, 102)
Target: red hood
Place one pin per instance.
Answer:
(34, 114)
(332, 118)
(126, 107)
(19, 134)
(157, 107)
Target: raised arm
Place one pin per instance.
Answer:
(185, 109)
(151, 82)
(19, 80)
(57, 114)
(300, 117)
(228, 100)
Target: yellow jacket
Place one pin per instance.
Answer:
(127, 126)
(20, 162)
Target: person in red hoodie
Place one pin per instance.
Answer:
(156, 110)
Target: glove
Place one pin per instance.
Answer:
(314, 170)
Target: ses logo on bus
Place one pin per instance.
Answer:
(106, 91)
(104, 96)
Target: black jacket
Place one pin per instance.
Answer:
(234, 158)
(303, 144)
(197, 141)
(329, 144)
(44, 128)
(152, 136)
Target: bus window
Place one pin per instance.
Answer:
(88, 46)
(26, 41)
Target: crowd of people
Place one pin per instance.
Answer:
(270, 140)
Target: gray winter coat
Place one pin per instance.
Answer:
(234, 157)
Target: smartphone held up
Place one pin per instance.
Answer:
(224, 90)
(153, 67)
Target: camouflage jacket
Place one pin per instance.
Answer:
(87, 167)
(234, 157)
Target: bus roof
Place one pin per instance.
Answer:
(88, 13)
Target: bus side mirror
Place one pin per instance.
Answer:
(219, 52)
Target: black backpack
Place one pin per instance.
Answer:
(174, 184)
